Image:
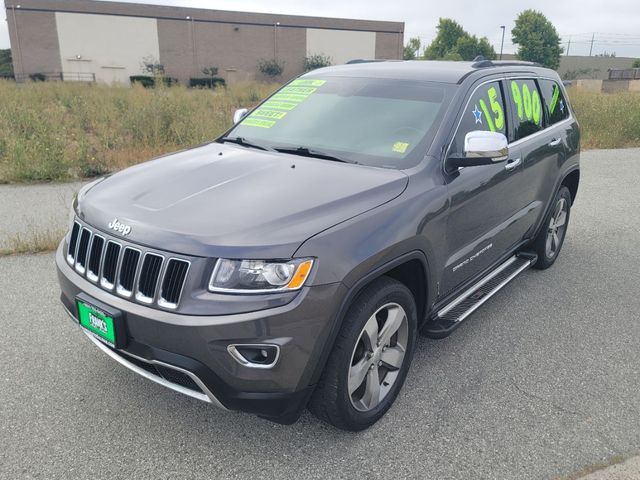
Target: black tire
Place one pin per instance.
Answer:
(540, 244)
(331, 400)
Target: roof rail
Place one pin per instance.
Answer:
(370, 60)
(481, 62)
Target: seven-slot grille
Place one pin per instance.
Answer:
(126, 269)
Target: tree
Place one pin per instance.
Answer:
(449, 32)
(152, 66)
(453, 43)
(318, 60)
(6, 65)
(412, 49)
(537, 39)
(636, 63)
(469, 47)
(210, 72)
(271, 67)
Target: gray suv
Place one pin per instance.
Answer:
(292, 262)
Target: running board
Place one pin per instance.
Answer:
(449, 317)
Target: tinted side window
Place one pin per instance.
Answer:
(484, 111)
(526, 107)
(554, 103)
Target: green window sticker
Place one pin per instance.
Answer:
(485, 110)
(283, 101)
(289, 97)
(299, 90)
(257, 122)
(279, 105)
(527, 103)
(263, 112)
(307, 82)
(517, 99)
(554, 99)
(496, 108)
(400, 147)
(537, 106)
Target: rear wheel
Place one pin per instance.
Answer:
(370, 359)
(551, 238)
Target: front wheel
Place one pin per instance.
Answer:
(551, 237)
(370, 359)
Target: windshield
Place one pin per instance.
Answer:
(377, 122)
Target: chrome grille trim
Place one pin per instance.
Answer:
(104, 282)
(115, 251)
(91, 275)
(81, 263)
(120, 289)
(162, 302)
(73, 242)
(141, 297)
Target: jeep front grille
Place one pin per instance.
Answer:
(130, 259)
(95, 257)
(110, 267)
(73, 243)
(149, 274)
(83, 248)
(125, 268)
(174, 278)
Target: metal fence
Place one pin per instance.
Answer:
(624, 74)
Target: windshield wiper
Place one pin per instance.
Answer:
(308, 152)
(243, 142)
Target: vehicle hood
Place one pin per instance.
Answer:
(226, 200)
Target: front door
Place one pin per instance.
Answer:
(485, 217)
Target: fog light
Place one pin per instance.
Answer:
(255, 356)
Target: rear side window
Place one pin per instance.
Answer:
(554, 102)
(484, 111)
(526, 107)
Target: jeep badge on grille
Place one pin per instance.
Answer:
(121, 228)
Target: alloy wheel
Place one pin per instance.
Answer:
(557, 228)
(378, 357)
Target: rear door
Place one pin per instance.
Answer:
(483, 221)
(536, 105)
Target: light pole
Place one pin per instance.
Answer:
(18, 46)
(502, 42)
(275, 40)
(194, 50)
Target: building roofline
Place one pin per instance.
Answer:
(166, 12)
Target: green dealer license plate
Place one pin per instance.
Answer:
(101, 323)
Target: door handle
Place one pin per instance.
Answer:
(555, 142)
(511, 164)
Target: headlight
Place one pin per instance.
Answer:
(259, 276)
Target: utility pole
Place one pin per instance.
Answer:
(275, 40)
(591, 49)
(18, 46)
(568, 46)
(502, 42)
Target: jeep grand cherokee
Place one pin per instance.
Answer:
(292, 261)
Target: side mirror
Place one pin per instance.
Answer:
(482, 148)
(239, 114)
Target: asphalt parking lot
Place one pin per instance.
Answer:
(543, 380)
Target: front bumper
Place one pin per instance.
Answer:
(196, 346)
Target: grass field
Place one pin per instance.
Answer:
(607, 120)
(58, 132)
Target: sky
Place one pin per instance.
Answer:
(614, 24)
